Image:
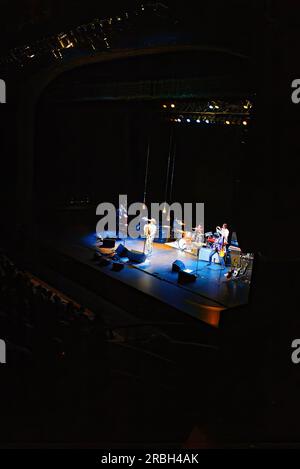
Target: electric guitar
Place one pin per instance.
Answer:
(220, 247)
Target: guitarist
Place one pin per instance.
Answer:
(220, 247)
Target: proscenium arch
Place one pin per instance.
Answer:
(33, 89)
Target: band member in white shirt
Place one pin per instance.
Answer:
(149, 232)
(224, 231)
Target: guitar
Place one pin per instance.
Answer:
(222, 252)
(220, 246)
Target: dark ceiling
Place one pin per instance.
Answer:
(236, 25)
(24, 21)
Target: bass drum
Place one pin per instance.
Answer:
(199, 238)
(182, 244)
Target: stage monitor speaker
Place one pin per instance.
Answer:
(108, 243)
(186, 277)
(96, 256)
(121, 251)
(177, 266)
(103, 262)
(117, 266)
(136, 256)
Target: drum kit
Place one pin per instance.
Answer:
(189, 240)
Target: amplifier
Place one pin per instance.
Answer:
(204, 255)
(235, 256)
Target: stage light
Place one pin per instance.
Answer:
(188, 120)
(217, 107)
(247, 105)
(211, 106)
(245, 123)
(178, 120)
(65, 41)
(227, 122)
(172, 105)
(88, 34)
(207, 121)
(198, 120)
(165, 106)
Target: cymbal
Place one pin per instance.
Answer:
(180, 222)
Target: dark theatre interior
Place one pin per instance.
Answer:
(146, 343)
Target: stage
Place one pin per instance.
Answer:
(151, 285)
(211, 292)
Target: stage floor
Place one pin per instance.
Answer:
(203, 299)
(211, 288)
(211, 283)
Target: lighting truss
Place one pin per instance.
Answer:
(97, 35)
(208, 112)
